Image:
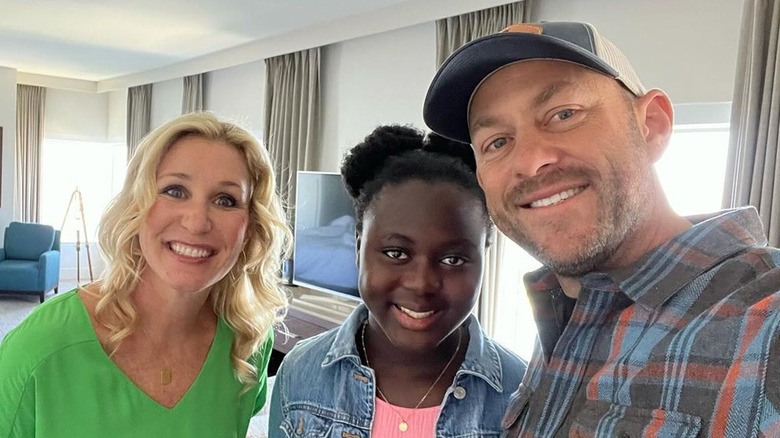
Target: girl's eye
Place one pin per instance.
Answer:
(453, 261)
(396, 254)
(226, 201)
(173, 191)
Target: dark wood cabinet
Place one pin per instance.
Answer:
(300, 325)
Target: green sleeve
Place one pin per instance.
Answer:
(17, 395)
(262, 358)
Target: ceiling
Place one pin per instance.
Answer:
(96, 40)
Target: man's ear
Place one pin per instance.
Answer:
(655, 118)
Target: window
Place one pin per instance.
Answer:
(693, 168)
(691, 171)
(515, 328)
(96, 169)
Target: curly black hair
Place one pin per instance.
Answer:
(393, 154)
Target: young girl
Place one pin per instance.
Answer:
(411, 361)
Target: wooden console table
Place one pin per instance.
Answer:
(301, 325)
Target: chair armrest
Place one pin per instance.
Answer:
(50, 267)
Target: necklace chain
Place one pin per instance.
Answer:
(166, 374)
(403, 426)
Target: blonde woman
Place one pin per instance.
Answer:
(174, 340)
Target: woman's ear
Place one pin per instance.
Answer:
(655, 118)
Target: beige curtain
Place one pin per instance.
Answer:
(192, 97)
(30, 109)
(292, 116)
(139, 116)
(451, 33)
(753, 166)
(489, 299)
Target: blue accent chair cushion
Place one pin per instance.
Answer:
(30, 259)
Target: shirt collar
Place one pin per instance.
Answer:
(482, 358)
(662, 272)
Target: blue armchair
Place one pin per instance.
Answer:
(30, 260)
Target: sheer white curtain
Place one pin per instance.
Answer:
(139, 116)
(292, 116)
(753, 166)
(451, 33)
(30, 109)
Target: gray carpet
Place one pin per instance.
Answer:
(13, 309)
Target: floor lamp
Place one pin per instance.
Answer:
(73, 196)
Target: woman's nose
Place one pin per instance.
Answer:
(197, 219)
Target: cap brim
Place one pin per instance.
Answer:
(445, 110)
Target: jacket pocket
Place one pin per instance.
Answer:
(600, 418)
(302, 423)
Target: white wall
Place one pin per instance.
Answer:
(687, 48)
(117, 116)
(373, 80)
(73, 115)
(238, 94)
(166, 100)
(8, 156)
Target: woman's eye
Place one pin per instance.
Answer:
(226, 201)
(453, 261)
(173, 191)
(396, 254)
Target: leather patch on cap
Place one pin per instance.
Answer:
(524, 28)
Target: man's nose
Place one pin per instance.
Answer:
(533, 155)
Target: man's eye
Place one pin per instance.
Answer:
(173, 191)
(498, 143)
(453, 261)
(565, 114)
(226, 201)
(396, 254)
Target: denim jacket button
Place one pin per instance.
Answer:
(459, 392)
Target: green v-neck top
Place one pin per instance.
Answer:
(57, 381)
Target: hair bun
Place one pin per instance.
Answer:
(365, 160)
(440, 145)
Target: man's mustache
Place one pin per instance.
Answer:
(519, 193)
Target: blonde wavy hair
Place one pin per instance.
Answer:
(248, 298)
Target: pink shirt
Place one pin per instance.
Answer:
(421, 422)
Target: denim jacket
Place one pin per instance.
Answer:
(322, 390)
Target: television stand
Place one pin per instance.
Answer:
(307, 316)
(332, 309)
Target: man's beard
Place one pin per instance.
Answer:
(622, 198)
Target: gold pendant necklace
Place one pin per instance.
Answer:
(166, 376)
(403, 426)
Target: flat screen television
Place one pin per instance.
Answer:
(324, 247)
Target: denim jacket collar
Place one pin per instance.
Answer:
(482, 359)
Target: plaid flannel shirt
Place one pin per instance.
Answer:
(682, 344)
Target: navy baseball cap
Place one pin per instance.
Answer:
(447, 103)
